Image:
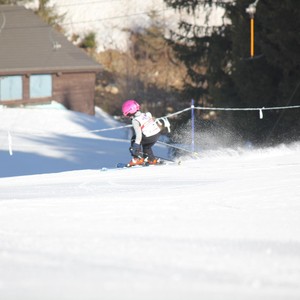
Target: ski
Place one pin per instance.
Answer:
(123, 165)
(162, 162)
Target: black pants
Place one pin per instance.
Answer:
(147, 144)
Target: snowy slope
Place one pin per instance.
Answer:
(59, 140)
(225, 226)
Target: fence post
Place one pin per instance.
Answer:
(193, 126)
(9, 143)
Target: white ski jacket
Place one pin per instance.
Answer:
(144, 124)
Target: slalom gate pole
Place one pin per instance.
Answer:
(193, 125)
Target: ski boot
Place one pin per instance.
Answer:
(136, 161)
(152, 161)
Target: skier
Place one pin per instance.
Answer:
(146, 133)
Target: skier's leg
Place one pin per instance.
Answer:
(148, 152)
(136, 160)
(148, 143)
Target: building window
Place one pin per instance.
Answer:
(11, 88)
(40, 86)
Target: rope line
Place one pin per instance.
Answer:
(167, 116)
(250, 108)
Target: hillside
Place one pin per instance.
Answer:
(151, 74)
(50, 141)
(109, 18)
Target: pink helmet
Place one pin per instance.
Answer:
(130, 107)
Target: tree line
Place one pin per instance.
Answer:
(222, 72)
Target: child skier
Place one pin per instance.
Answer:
(146, 134)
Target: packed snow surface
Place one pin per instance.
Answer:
(223, 226)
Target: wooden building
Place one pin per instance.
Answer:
(39, 64)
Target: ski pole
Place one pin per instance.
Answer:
(166, 159)
(193, 125)
(142, 154)
(193, 153)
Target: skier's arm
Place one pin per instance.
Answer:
(138, 131)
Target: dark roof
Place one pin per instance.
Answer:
(27, 44)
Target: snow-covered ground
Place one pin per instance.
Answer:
(224, 226)
(109, 18)
(58, 140)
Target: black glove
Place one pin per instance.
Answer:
(135, 150)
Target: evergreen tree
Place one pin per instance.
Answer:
(271, 78)
(89, 41)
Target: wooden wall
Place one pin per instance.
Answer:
(76, 91)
